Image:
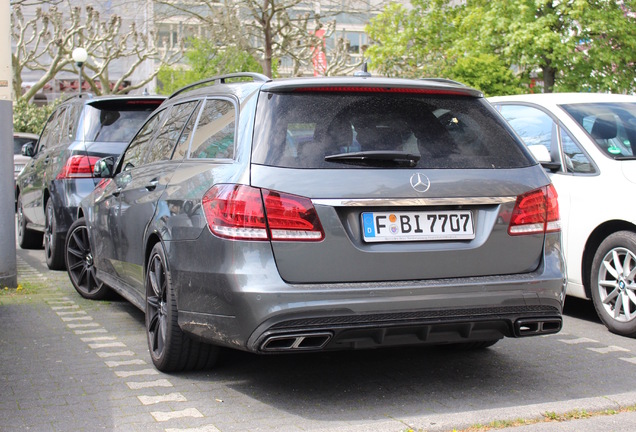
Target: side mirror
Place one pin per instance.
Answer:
(542, 155)
(104, 167)
(28, 149)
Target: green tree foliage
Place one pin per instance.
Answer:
(28, 117)
(570, 45)
(204, 60)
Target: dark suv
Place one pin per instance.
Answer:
(286, 216)
(79, 132)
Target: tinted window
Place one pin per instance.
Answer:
(298, 130)
(167, 136)
(139, 145)
(115, 121)
(184, 140)
(51, 133)
(214, 134)
(612, 126)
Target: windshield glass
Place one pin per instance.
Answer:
(612, 126)
(299, 130)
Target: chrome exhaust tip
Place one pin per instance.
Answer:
(539, 326)
(296, 342)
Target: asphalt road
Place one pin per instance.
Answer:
(67, 363)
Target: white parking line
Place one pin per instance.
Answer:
(82, 318)
(56, 308)
(135, 385)
(104, 354)
(99, 338)
(165, 416)
(73, 326)
(67, 313)
(100, 330)
(126, 374)
(577, 341)
(107, 345)
(206, 428)
(609, 349)
(112, 364)
(172, 397)
(629, 360)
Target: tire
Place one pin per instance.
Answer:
(53, 244)
(79, 263)
(170, 348)
(613, 283)
(27, 239)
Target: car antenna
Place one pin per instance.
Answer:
(363, 72)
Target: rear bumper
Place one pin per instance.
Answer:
(354, 316)
(253, 309)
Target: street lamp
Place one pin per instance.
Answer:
(79, 57)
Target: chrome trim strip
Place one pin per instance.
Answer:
(409, 202)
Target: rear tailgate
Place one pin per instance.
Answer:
(481, 200)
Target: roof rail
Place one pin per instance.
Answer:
(220, 79)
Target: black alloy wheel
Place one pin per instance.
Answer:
(53, 244)
(80, 265)
(170, 348)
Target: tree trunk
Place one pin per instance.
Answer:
(549, 74)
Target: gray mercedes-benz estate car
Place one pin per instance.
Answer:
(282, 216)
(60, 172)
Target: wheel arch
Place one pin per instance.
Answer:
(597, 236)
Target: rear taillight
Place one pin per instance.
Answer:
(241, 212)
(78, 166)
(536, 212)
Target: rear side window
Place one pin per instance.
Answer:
(115, 121)
(167, 136)
(298, 130)
(213, 136)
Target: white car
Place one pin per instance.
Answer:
(588, 142)
(19, 160)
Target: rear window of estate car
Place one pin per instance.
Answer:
(298, 130)
(116, 121)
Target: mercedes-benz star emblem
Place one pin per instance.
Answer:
(420, 182)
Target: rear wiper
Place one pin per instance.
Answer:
(375, 157)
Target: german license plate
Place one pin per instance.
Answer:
(417, 226)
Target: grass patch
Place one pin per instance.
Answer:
(547, 417)
(24, 293)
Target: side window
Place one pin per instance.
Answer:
(184, 140)
(73, 117)
(576, 160)
(167, 136)
(534, 126)
(51, 133)
(135, 151)
(214, 134)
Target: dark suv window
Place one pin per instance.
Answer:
(115, 121)
(297, 130)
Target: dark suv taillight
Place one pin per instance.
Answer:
(536, 212)
(78, 166)
(241, 212)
